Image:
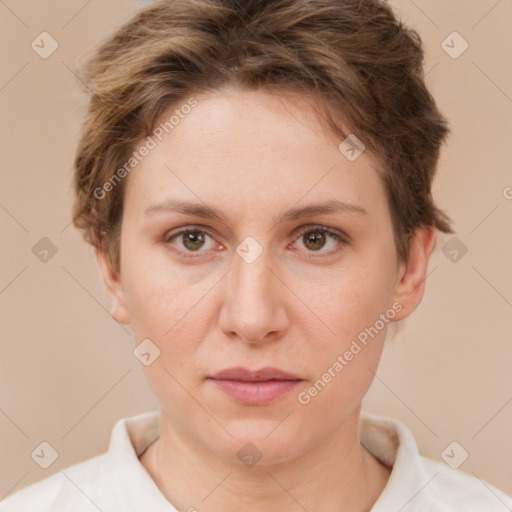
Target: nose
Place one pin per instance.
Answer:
(253, 309)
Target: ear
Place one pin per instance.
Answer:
(113, 287)
(410, 284)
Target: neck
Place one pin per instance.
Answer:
(338, 474)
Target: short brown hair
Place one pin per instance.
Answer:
(359, 63)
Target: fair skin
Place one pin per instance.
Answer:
(254, 156)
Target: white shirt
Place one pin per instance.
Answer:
(116, 481)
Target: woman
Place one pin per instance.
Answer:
(256, 180)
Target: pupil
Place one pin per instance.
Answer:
(314, 241)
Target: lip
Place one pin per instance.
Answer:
(263, 374)
(255, 387)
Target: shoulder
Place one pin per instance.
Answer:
(114, 480)
(456, 490)
(76, 488)
(416, 483)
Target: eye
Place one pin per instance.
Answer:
(191, 240)
(319, 239)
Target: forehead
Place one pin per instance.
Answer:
(241, 149)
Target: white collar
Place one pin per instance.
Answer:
(388, 440)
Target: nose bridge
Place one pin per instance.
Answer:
(252, 307)
(252, 278)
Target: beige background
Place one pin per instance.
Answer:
(67, 369)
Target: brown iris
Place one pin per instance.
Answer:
(314, 240)
(193, 240)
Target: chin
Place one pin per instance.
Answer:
(260, 443)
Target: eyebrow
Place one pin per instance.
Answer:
(207, 212)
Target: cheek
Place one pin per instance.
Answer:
(175, 315)
(343, 302)
(174, 311)
(344, 358)
(340, 385)
(158, 294)
(172, 316)
(353, 310)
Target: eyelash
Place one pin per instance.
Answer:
(341, 239)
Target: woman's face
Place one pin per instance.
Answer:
(258, 284)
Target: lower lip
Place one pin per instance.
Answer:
(256, 393)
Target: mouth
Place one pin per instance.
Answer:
(255, 387)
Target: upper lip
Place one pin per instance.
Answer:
(263, 374)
